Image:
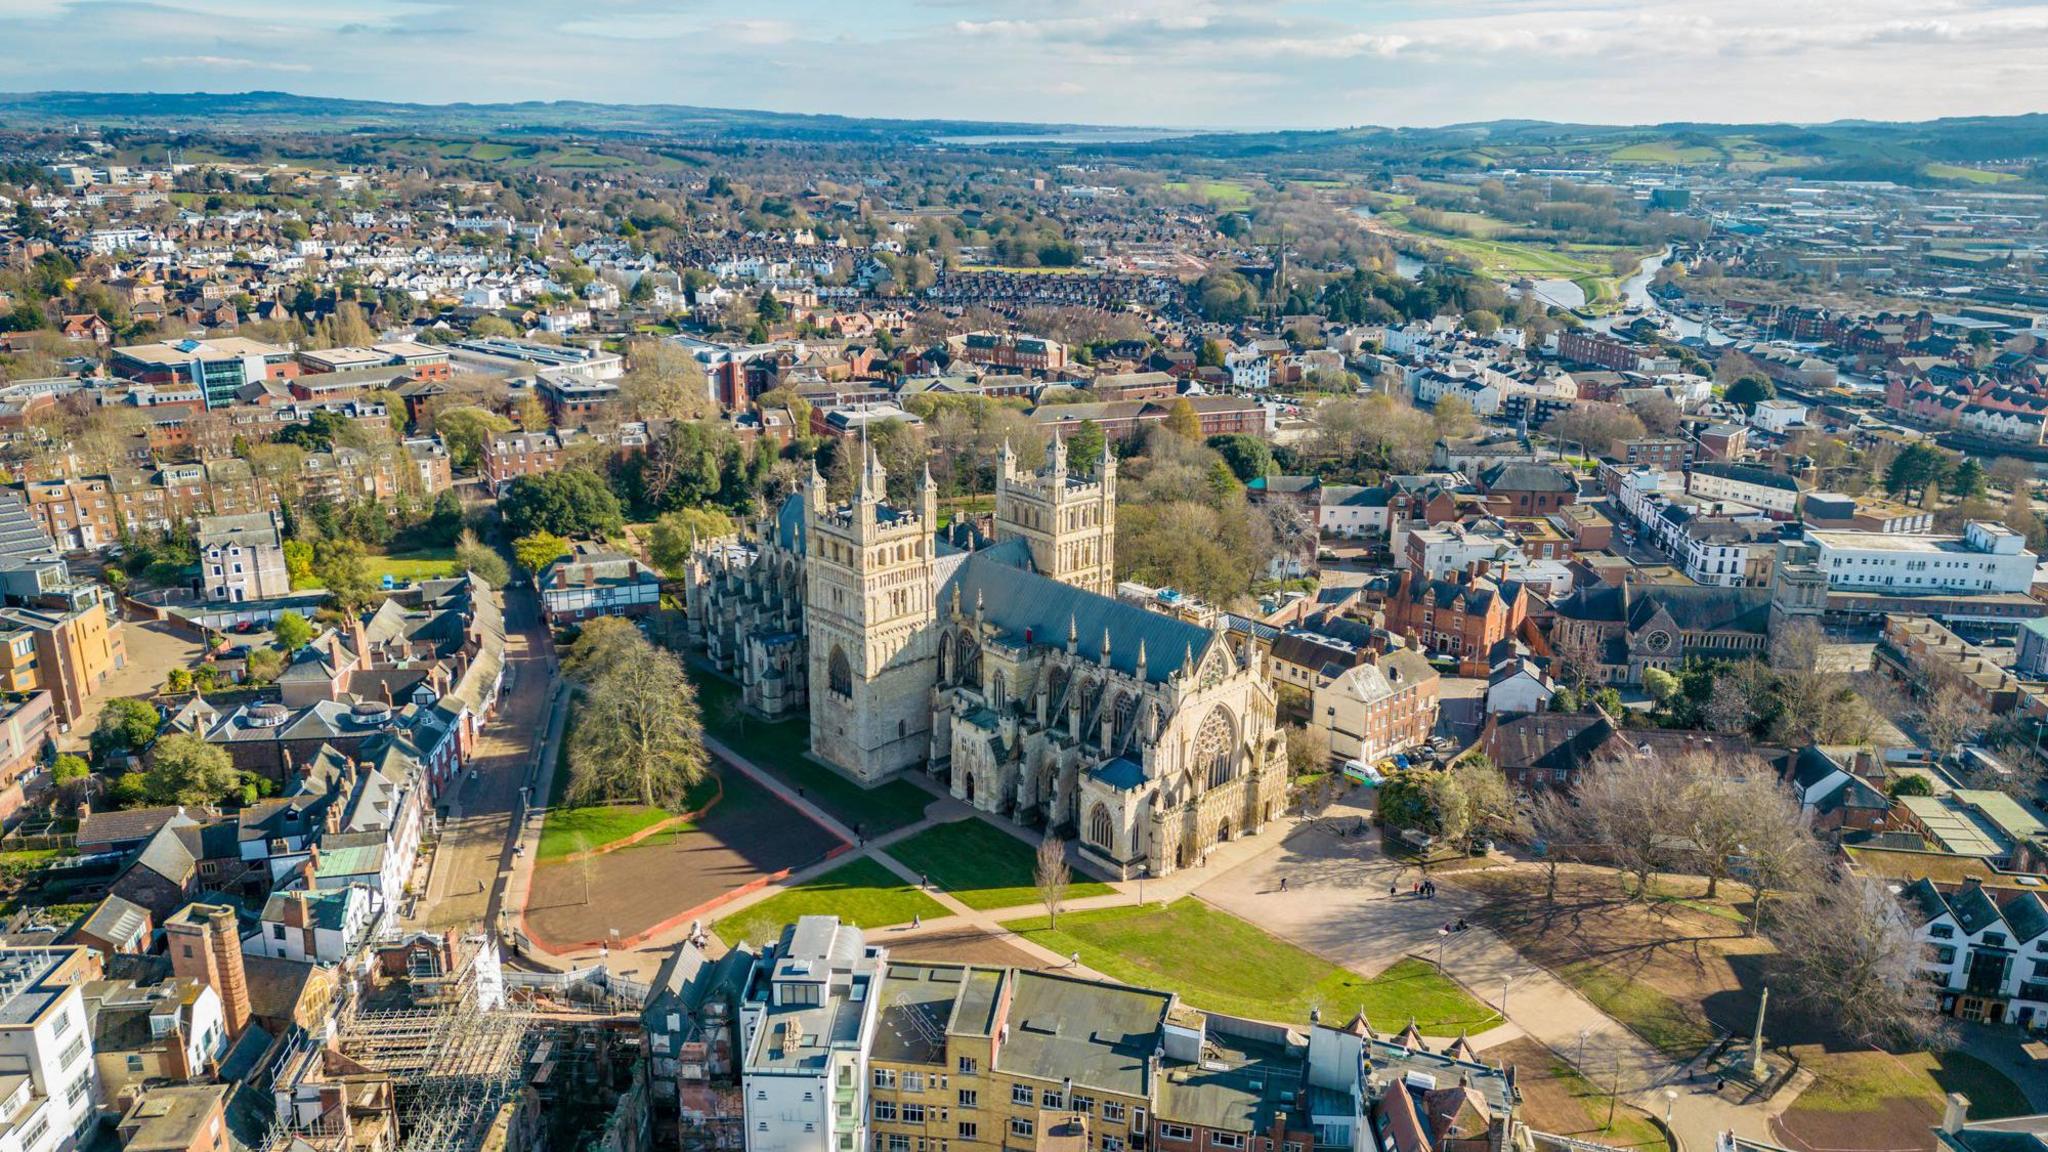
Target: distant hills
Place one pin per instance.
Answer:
(1987, 150)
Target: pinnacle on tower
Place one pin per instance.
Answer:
(1073, 635)
(1105, 646)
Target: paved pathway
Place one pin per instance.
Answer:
(466, 880)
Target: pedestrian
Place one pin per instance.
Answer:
(916, 921)
(1719, 1081)
(1393, 890)
(1416, 890)
(1283, 883)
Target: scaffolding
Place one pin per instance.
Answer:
(454, 1071)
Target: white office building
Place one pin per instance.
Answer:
(1986, 558)
(46, 1065)
(809, 1027)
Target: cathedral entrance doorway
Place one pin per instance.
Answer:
(970, 789)
(1223, 832)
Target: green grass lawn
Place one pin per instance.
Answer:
(1970, 175)
(1229, 193)
(983, 866)
(407, 567)
(572, 830)
(863, 892)
(1863, 1081)
(1665, 152)
(1663, 1022)
(1225, 964)
(780, 749)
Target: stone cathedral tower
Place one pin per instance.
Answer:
(1067, 521)
(869, 610)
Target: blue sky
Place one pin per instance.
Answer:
(1209, 63)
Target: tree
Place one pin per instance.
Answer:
(492, 326)
(187, 770)
(1181, 419)
(639, 735)
(1914, 470)
(298, 562)
(1596, 428)
(1453, 417)
(1556, 824)
(574, 502)
(464, 429)
(665, 383)
(1084, 445)
(1856, 962)
(1629, 810)
(1913, 784)
(1051, 877)
(292, 631)
(265, 665)
(1660, 685)
(1749, 390)
(1249, 457)
(670, 539)
(1428, 799)
(1211, 353)
(1483, 788)
(1967, 481)
(178, 680)
(1947, 714)
(69, 767)
(125, 725)
(1482, 322)
(344, 570)
(1308, 751)
(536, 550)
(481, 560)
(605, 645)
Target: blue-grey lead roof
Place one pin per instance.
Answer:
(1018, 601)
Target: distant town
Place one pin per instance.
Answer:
(836, 637)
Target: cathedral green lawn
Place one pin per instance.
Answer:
(862, 892)
(572, 830)
(779, 748)
(1225, 964)
(983, 866)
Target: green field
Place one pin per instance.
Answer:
(1669, 1026)
(863, 892)
(408, 567)
(572, 830)
(1861, 1082)
(781, 750)
(1969, 175)
(983, 866)
(1666, 152)
(1229, 193)
(1219, 962)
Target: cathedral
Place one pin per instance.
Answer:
(1003, 665)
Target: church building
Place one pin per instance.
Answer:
(1002, 667)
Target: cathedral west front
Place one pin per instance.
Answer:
(1004, 667)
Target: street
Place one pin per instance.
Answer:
(463, 889)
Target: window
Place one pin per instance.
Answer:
(885, 1077)
(969, 1098)
(1022, 1127)
(1226, 1140)
(1994, 939)
(1051, 1099)
(1941, 931)
(913, 1081)
(885, 1110)
(913, 1113)
(1112, 1143)
(35, 1131)
(1083, 1104)
(1175, 1132)
(63, 1022)
(969, 1130)
(969, 1066)
(899, 1143)
(1113, 1110)
(72, 1052)
(135, 1063)
(277, 931)
(1021, 1094)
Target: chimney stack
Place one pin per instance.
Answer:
(206, 945)
(1955, 1113)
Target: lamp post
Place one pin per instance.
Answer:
(1670, 1101)
(1442, 934)
(1143, 869)
(1581, 1061)
(1507, 982)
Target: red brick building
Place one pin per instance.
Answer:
(1464, 617)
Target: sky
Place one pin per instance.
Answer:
(1181, 63)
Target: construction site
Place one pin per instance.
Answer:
(431, 1054)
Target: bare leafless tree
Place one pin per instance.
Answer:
(1854, 959)
(1052, 877)
(1561, 826)
(1631, 812)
